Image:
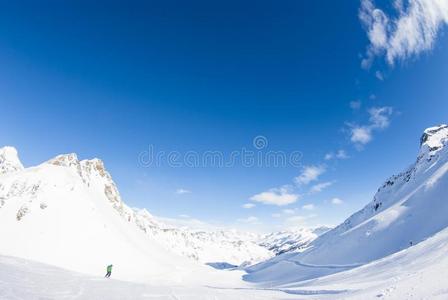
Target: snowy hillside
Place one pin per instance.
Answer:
(24, 279)
(407, 209)
(291, 240)
(418, 272)
(69, 213)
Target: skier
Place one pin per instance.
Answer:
(109, 271)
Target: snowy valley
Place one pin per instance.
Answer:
(63, 221)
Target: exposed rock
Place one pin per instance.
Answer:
(9, 160)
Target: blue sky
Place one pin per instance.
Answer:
(111, 79)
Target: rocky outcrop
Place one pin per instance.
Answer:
(9, 160)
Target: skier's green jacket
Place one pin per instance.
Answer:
(109, 268)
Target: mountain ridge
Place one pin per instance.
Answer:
(407, 209)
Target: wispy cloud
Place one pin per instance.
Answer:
(308, 207)
(329, 156)
(182, 191)
(336, 201)
(340, 154)
(309, 174)
(248, 205)
(289, 211)
(278, 196)
(361, 135)
(379, 75)
(413, 29)
(317, 188)
(379, 118)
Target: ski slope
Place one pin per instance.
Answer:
(418, 272)
(24, 279)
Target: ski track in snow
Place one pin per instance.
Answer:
(324, 266)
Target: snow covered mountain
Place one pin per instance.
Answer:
(291, 240)
(203, 246)
(69, 213)
(407, 209)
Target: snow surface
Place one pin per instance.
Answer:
(418, 272)
(28, 280)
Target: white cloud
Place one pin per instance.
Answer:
(276, 215)
(279, 196)
(340, 154)
(329, 156)
(412, 30)
(248, 205)
(317, 188)
(355, 105)
(379, 118)
(182, 191)
(309, 174)
(336, 201)
(308, 207)
(250, 220)
(361, 134)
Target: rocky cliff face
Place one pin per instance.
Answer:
(93, 174)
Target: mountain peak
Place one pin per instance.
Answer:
(9, 160)
(93, 173)
(434, 138)
(65, 160)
